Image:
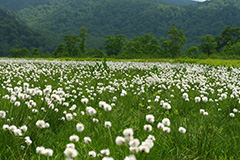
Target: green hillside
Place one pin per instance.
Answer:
(178, 2)
(129, 17)
(14, 33)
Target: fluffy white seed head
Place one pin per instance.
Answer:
(182, 130)
(92, 154)
(166, 121)
(71, 152)
(108, 124)
(148, 127)
(120, 140)
(74, 138)
(150, 118)
(128, 132)
(80, 127)
(105, 152)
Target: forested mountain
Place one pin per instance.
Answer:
(178, 2)
(14, 33)
(128, 17)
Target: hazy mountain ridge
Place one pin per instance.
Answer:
(128, 17)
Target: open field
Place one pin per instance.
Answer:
(119, 110)
(213, 62)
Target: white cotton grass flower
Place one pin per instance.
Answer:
(91, 111)
(17, 104)
(69, 116)
(12, 128)
(40, 150)
(120, 140)
(92, 154)
(160, 125)
(147, 127)
(41, 124)
(151, 137)
(71, 152)
(224, 96)
(48, 152)
(107, 107)
(232, 115)
(134, 143)
(144, 148)
(166, 129)
(150, 118)
(166, 121)
(197, 99)
(166, 105)
(235, 110)
(84, 100)
(47, 125)
(105, 152)
(95, 120)
(131, 157)
(204, 99)
(205, 113)
(6, 127)
(17, 132)
(128, 132)
(185, 96)
(108, 124)
(87, 140)
(28, 141)
(182, 130)
(2, 114)
(80, 127)
(74, 138)
(202, 111)
(148, 143)
(102, 104)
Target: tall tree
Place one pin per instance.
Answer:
(59, 50)
(114, 44)
(70, 44)
(228, 36)
(177, 40)
(208, 45)
(35, 52)
(82, 41)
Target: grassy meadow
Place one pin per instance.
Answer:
(119, 109)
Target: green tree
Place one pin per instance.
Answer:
(35, 52)
(25, 52)
(71, 44)
(192, 51)
(148, 44)
(232, 49)
(228, 36)
(164, 43)
(208, 45)
(114, 44)
(176, 41)
(82, 41)
(96, 53)
(15, 52)
(59, 50)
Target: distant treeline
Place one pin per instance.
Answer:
(226, 46)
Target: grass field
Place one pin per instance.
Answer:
(122, 110)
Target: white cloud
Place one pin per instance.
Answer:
(200, 0)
